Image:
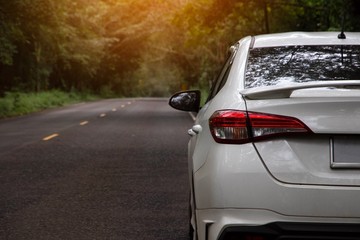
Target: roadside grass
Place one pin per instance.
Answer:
(18, 103)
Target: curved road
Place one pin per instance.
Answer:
(113, 169)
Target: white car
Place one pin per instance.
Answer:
(275, 150)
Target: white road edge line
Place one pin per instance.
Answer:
(192, 115)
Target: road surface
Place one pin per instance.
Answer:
(113, 169)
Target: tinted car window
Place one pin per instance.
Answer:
(297, 64)
(222, 77)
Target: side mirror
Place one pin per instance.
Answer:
(186, 101)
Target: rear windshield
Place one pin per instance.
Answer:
(297, 64)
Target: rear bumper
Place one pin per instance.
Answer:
(234, 177)
(234, 191)
(244, 224)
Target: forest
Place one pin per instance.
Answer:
(131, 48)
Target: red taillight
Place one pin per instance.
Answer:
(229, 126)
(232, 126)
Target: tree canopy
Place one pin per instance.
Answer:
(142, 47)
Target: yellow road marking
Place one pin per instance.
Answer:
(84, 123)
(50, 137)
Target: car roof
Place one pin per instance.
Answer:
(305, 38)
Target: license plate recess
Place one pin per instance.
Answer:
(345, 151)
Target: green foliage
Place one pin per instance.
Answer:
(18, 103)
(142, 47)
(7, 50)
(211, 26)
(9, 32)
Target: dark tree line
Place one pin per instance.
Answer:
(142, 47)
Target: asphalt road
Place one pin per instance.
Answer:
(113, 169)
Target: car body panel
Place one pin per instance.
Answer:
(307, 160)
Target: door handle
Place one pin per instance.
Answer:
(191, 132)
(196, 129)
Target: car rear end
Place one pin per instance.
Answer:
(283, 158)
